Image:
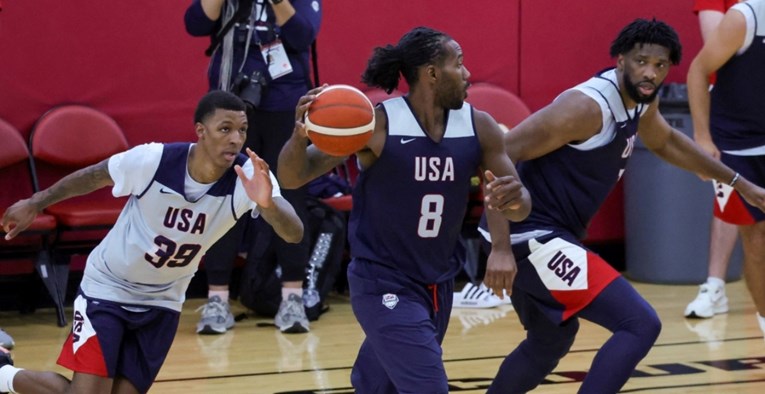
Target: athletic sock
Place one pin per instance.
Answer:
(223, 294)
(7, 372)
(716, 282)
(286, 291)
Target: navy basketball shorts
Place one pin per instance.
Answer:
(108, 340)
(729, 205)
(560, 274)
(405, 323)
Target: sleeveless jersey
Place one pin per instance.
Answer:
(568, 185)
(150, 255)
(737, 112)
(409, 205)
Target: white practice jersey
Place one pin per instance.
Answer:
(150, 255)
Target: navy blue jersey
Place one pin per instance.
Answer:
(568, 185)
(737, 112)
(409, 205)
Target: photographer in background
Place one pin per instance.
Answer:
(260, 51)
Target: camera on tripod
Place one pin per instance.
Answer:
(249, 87)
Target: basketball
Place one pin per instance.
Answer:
(340, 120)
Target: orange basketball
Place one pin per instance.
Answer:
(340, 120)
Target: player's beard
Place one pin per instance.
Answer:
(634, 93)
(451, 95)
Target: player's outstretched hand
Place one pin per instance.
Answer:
(503, 193)
(259, 187)
(17, 218)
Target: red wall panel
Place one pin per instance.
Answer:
(487, 32)
(131, 59)
(135, 61)
(565, 42)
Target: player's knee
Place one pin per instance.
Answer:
(561, 343)
(650, 327)
(553, 347)
(646, 326)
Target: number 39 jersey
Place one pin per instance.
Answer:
(409, 205)
(150, 255)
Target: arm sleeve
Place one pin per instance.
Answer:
(197, 22)
(301, 30)
(133, 170)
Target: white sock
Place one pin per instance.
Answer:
(761, 320)
(223, 294)
(7, 372)
(286, 291)
(716, 282)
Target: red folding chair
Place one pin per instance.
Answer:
(29, 249)
(506, 108)
(63, 140)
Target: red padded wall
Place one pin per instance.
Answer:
(135, 61)
(487, 32)
(565, 42)
(130, 59)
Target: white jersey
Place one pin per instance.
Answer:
(150, 255)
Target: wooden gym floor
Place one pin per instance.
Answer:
(725, 354)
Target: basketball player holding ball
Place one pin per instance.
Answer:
(408, 207)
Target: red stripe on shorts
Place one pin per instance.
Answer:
(599, 275)
(88, 359)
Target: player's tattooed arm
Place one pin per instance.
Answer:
(82, 181)
(20, 215)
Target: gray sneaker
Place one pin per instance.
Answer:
(6, 340)
(5, 358)
(216, 317)
(291, 316)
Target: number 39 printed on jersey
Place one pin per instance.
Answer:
(170, 254)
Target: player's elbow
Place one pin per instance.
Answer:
(288, 177)
(290, 183)
(295, 234)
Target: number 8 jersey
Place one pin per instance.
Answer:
(409, 205)
(169, 221)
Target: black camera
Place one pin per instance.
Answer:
(249, 88)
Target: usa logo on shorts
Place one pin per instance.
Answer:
(390, 300)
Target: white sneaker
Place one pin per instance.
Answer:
(216, 317)
(709, 302)
(291, 316)
(480, 296)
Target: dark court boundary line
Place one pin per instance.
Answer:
(313, 370)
